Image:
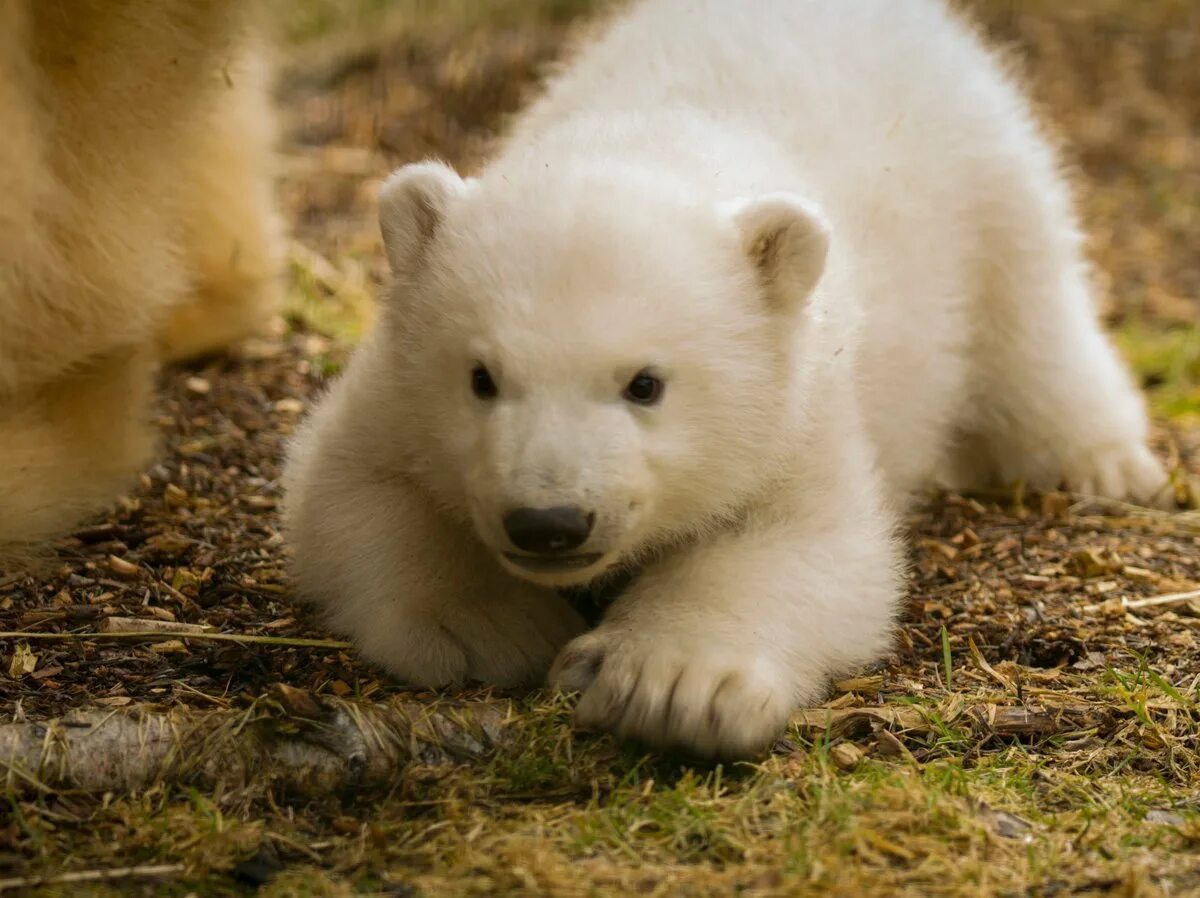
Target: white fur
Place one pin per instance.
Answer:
(835, 231)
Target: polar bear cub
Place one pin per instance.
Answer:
(744, 278)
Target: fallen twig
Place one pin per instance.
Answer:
(1171, 598)
(305, 742)
(1167, 599)
(247, 638)
(986, 719)
(145, 871)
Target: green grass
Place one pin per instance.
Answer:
(1167, 358)
(554, 813)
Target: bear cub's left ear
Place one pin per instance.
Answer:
(787, 240)
(412, 204)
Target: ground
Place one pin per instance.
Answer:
(1034, 733)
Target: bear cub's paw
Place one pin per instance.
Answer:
(1122, 471)
(672, 693)
(507, 641)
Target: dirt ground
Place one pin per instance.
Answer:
(1034, 733)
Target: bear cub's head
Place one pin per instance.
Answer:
(589, 364)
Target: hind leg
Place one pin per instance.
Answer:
(233, 235)
(1054, 405)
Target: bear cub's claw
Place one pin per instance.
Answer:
(1126, 472)
(696, 698)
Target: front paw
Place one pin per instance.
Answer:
(508, 641)
(512, 641)
(1127, 472)
(697, 698)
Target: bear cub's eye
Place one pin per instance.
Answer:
(644, 389)
(482, 384)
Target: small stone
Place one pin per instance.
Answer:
(846, 755)
(1164, 817)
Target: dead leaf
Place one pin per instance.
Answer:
(841, 722)
(22, 662)
(892, 747)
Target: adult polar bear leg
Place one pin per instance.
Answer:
(417, 593)
(68, 448)
(234, 240)
(711, 649)
(1054, 403)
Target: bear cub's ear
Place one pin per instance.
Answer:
(412, 204)
(787, 239)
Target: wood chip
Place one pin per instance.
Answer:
(114, 701)
(1095, 562)
(169, 647)
(1008, 721)
(1140, 574)
(126, 570)
(22, 662)
(867, 685)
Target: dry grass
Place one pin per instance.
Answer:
(1035, 732)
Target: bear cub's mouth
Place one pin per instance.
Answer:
(551, 563)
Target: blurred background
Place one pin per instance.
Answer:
(366, 85)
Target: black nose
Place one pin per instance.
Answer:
(548, 530)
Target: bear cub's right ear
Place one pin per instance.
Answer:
(787, 239)
(412, 204)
